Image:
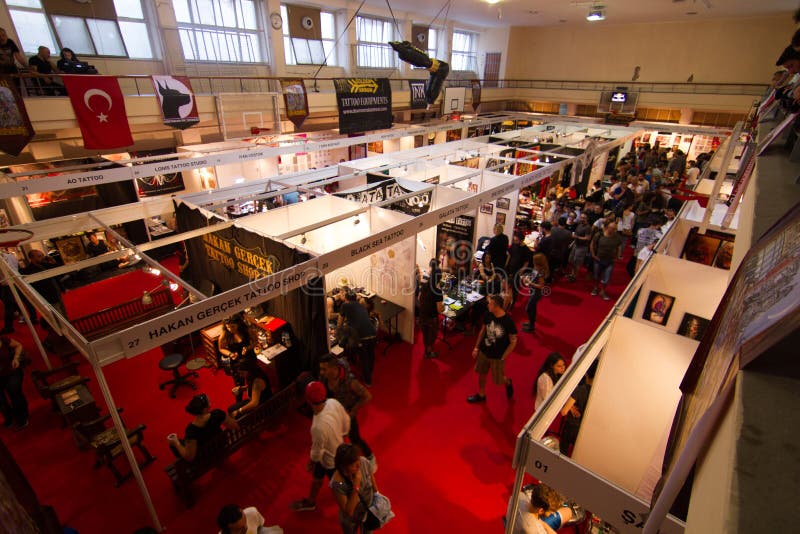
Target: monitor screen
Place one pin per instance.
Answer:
(619, 97)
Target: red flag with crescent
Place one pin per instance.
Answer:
(100, 109)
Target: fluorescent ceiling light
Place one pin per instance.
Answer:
(595, 15)
(492, 2)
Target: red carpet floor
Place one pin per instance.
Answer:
(445, 464)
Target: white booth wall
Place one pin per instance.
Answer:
(697, 289)
(388, 273)
(484, 223)
(633, 399)
(283, 220)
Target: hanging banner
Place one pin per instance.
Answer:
(15, 126)
(178, 105)
(100, 109)
(295, 100)
(476, 94)
(384, 188)
(417, 89)
(364, 104)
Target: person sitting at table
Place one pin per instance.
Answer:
(333, 303)
(206, 424)
(256, 385)
(235, 341)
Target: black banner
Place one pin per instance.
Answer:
(385, 188)
(454, 239)
(15, 126)
(417, 94)
(233, 257)
(476, 94)
(364, 104)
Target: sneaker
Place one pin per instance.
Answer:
(604, 296)
(472, 399)
(20, 426)
(303, 505)
(595, 291)
(571, 277)
(509, 389)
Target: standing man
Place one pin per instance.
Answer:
(9, 52)
(605, 248)
(357, 317)
(431, 304)
(692, 174)
(496, 341)
(345, 388)
(330, 425)
(577, 256)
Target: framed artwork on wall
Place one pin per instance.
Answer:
(658, 308)
(487, 208)
(503, 203)
(500, 218)
(693, 326)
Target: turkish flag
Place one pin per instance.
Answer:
(100, 109)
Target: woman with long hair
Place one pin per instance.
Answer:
(354, 487)
(535, 282)
(551, 370)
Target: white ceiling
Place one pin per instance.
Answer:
(573, 12)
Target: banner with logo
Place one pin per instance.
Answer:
(364, 104)
(176, 98)
(15, 126)
(295, 100)
(100, 109)
(417, 89)
(384, 188)
(476, 94)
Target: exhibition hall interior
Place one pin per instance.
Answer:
(459, 266)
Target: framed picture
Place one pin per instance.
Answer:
(711, 248)
(503, 203)
(500, 218)
(487, 208)
(658, 308)
(693, 327)
(71, 249)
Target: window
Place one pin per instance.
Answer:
(127, 36)
(372, 38)
(308, 52)
(465, 51)
(219, 30)
(433, 42)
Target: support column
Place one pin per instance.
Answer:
(687, 115)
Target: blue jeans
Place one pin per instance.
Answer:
(602, 271)
(530, 307)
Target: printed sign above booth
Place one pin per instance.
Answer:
(364, 104)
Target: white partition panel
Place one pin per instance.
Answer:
(486, 221)
(287, 218)
(632, 403)
(695, 289)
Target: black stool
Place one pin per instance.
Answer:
(172, 362)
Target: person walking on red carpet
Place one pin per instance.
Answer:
(331, 423)
(496, 340)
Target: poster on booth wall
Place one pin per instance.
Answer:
(454, 244)
(176, 98)
(15, 126)
(417, 89)
(295, 99)
(364, 104)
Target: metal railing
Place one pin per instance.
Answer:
(141, 85)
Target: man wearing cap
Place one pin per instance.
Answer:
(330, 425)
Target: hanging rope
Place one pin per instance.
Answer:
(445, 5)
(396, 25)
(325, 61)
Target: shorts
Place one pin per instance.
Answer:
(483, 365)
(577, 256)
(319, 472)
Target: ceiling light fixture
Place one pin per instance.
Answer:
(492, 2)
(596, 12)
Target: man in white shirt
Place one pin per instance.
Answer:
(234, 520)
(330, 425)
(692, 174)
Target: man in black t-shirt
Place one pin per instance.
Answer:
(206, 424)
(357, 317)
(9, 51)
(431, 304)
(496, 341)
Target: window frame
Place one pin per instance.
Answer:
(470, 57)
(381, 45)
(56, 38)
(289, 55)
(196, 31)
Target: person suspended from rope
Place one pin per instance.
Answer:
(418, 58)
